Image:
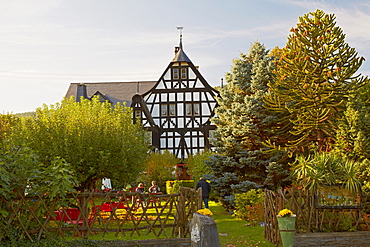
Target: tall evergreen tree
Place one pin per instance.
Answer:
(242, 124)
(353, 135)
(313, 79)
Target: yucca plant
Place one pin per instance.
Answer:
(325, 169)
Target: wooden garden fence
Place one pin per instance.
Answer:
(310, 217)
(110, 213)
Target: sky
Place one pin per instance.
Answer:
(47, 44)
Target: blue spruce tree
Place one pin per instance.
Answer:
(241, 161)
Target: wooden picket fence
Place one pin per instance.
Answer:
(309, 217)
(110, 213)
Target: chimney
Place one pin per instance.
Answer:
(81, 92)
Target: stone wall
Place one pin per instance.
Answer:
(334, 239)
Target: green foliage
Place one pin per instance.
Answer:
(197, 166)
(17, 166)
(325, 169)
(160, 167)
(278, 175)
(243, 123)
(249, 206)
(173, 187)
(353, 135)
(22, 173)
(7, 123)
(55, 180)
(365, 177)
(96, 139)
(314, 77)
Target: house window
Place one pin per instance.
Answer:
(175, 73)
(196, 109)
(184, 73)
(192, 109)
(189, 110)
(163, 110)
(172, 109)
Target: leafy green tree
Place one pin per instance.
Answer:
(197, 165)
(7, 122)
(243, 123)
(314, 78)
(21, 173)
(160, 167)
(96, 139)
(353, 135)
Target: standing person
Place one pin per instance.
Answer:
(154, 189)
(206, 188)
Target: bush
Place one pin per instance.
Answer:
(249, 206)
(173, 187)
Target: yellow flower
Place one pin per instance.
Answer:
(285, 213)
(205, 211)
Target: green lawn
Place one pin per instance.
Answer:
(236, 232)
(233, 232)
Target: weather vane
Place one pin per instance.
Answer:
(180, 28)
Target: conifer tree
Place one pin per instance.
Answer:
(353, 135)
(242, 124)
(314, 77)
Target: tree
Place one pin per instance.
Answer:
(160, 167)
(7, 122)
(197, 165)
(314, 77)
(353, 135)
(243, 123)
(96, 139)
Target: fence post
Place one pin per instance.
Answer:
(199, 198)
(181, 213)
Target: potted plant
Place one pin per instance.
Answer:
(286, 222)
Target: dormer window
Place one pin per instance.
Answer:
(175, 73)
(184, 73)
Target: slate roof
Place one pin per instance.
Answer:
(180, 55)
(114, 91)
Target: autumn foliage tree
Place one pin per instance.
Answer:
(314, 78)
(197, 166)
(160, 167)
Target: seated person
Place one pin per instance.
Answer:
(154, 189)
(140, 188)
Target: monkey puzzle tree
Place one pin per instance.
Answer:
(314, 78)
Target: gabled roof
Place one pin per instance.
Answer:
(114, 91)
